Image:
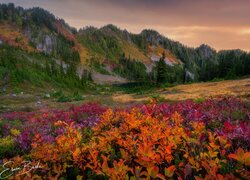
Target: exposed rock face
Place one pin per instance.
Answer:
(168, 62)
(28, 33)
(127, 36)
(190, 75)
(155, 58)
(152, 37)
(108, 79)
(47, 44)
(206, 51)
(43, 42)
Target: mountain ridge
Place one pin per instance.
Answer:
(105, 49)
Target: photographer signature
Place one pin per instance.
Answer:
(24, 168)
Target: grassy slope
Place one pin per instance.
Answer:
(13, 36)
(83, 51)
(88, 38)
(132, 51)
(238, 88)
(158, 51)
(87, 49)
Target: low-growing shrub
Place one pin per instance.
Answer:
(199, 100)
(184, 140)
(64, 98)
(57, 94)
(77, 97)
(132, 145)
(7, 147)
(157, 98)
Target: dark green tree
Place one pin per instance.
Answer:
(161, 70)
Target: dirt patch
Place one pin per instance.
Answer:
(128, 98)
(173, 91)
(107, 79)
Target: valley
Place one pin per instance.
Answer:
(33, 99)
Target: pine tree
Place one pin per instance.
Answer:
(53, 68)
(161, 70)
(47, 67)
(62, 73)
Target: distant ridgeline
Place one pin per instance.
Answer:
(36, 44)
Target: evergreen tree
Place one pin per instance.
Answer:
(62, 73)
(53, 68)
(161, 70)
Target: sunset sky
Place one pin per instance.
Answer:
(222, 24)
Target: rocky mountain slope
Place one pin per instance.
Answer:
(102, 49)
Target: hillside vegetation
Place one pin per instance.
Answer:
(115, 52)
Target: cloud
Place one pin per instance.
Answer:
(245, 31)
(220, 23)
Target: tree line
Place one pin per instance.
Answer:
(38, 69)
(227, 65)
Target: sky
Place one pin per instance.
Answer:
(222, 24)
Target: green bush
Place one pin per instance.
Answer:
(64, 98)
(1, 127)
(7, 146)
(57, 94)
(77, 97)
(166, 85)
(61, 97)
(199, 100)
(158, 98)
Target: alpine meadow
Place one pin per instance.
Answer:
(83, 98)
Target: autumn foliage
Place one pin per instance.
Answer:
(155, 141)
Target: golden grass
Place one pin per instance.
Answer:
(12, 35)
(238, 88)
(158, 50)
(83, 52)
(133, 52)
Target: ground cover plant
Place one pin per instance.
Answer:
(203, 139)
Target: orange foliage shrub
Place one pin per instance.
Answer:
(132, 145)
